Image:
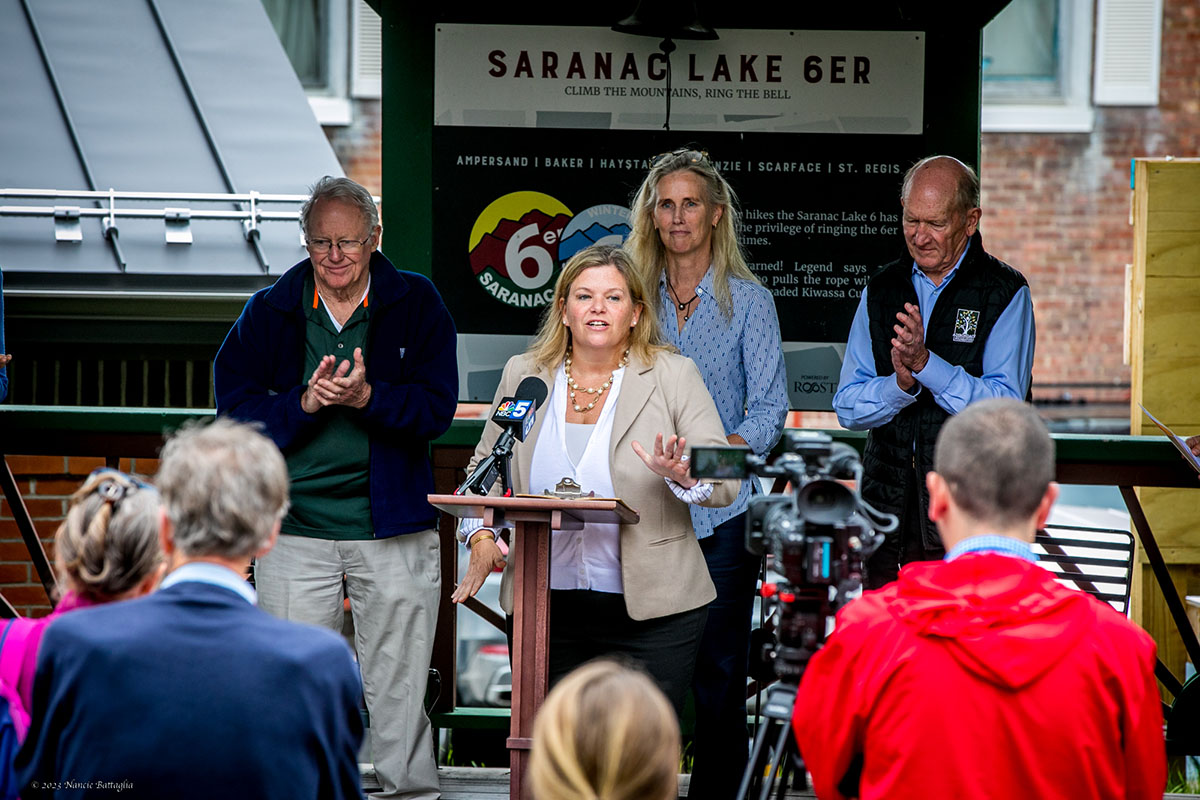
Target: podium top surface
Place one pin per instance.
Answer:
(590, 509)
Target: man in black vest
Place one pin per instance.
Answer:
(902, 376)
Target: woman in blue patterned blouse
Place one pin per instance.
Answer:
(713, 308)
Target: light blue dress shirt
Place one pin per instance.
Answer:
(867, 400)
(992, 543)
(741, 361)
(213, 574)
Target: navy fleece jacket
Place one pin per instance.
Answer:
(411, 366)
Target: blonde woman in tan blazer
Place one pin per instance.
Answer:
(621, 412)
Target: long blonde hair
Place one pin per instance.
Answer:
(644, 243)
(605, 732)
(550, 345)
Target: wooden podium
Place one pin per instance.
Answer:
(529, 559)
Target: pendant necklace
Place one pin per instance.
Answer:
(598, 391)
(686, 308)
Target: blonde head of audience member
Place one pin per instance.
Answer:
(605, 732)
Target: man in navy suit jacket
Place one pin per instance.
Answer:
(193, 692)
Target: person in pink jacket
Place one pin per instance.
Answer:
(980, 676)
(106, 549)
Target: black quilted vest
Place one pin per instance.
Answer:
(900, 451)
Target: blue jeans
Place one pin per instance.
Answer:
(722, 740)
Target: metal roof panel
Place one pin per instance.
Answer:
(124, 83)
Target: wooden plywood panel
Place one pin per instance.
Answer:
(1176, 555)
(1164, 383)
(1137, 358)
(1174, 185)
(1127, 321)
(1173, 220)
(1171, 328)
(1164, 326)
(1168, 372)
(1173, 254)
(1174, 517)
(1158, 621)
(1137, 301)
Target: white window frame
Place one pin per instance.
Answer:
(330, 103)
(1071, 111)
(366, 67)
(1128, 52)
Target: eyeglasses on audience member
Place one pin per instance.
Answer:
(350, 247)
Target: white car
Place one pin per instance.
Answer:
(484, 671)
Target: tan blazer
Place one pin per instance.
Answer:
(662, 567)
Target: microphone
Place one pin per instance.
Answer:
(516, 415)
(535, 389)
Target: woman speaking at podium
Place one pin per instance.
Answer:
(621, 409)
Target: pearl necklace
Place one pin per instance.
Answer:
(599, 392)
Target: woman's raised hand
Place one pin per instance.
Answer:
(669, 459)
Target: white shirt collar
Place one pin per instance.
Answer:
(337, 325)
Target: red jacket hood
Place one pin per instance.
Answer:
(1003, 618)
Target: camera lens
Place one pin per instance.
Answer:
(825, 502)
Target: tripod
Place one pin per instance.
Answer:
(799, 634)
(781, 759)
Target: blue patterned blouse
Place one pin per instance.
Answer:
(741, 360)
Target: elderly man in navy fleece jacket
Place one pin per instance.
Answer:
(350, 365)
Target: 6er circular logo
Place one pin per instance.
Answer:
(514, 247)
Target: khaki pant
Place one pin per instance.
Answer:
(393, 585)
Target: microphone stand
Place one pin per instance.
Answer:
(499, 463)
(515, 415)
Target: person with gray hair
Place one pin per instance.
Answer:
(229, 701)
(980, 675)
(225, 492)
(941, 328)
(350, 366)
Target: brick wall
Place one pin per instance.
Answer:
(46, 484)
(1057, 207)
(359, 147)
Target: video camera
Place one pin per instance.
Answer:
(819, 535)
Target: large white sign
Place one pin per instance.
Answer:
(748, 80)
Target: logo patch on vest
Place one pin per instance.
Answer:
(965, 325)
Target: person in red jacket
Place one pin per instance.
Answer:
(980, 676)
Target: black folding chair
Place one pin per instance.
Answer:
(1098, 561)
